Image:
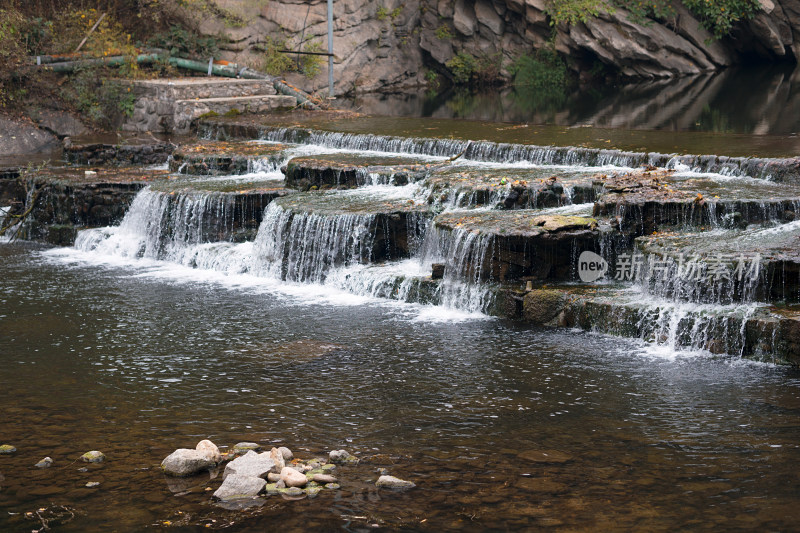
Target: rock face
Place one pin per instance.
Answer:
(390, 45)
(21, 138)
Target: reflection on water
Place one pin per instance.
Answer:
(753, 100)
(135, 363)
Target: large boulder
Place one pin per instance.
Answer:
(185, 462)
(251, 464)
(543, 305)
(239, 486)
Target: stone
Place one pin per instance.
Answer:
(93, 456)
(540, 306)
(243, 447)
(237, 486)
(280, 485)
(251, 464)
(47, 462)
(287, 453)
(341, 457)
(276, 455)
(293, 478)
(391, 482)
(272, 477)
(210, 450)
(295, 492)
(544, 456)
(186, 462)
(311, 492)
(60, 123)
(92, 484)
(7, 448)
(323, 478)
(437, 270)
(332, 486)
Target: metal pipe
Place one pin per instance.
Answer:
(330, 48)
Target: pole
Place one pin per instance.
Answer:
(330, 48)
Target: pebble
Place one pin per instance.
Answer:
(324, 478)
(341, 457)
(7, 448)
(332, 486)
(272, 477)
(544, 456)
(93, 457)
(313, 491)
(92, 484)
(287, 453)
(44, 463)
(243, 447)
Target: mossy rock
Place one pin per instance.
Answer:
(543, 305)
(7, 448)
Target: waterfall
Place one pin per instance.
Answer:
(166, 226)
(775, 169)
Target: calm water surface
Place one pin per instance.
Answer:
(137, 360)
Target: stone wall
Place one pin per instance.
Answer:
(390, 44)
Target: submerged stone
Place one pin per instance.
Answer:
(544, 456)
(7, 448)
(391, 482)
(243, 447)
(93, 457)
(341, 457)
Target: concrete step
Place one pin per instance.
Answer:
(211, 87)
(187, 111)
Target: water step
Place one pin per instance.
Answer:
(723, 266)
(189, 110)
(222, 158)
(644, 202)
(313, 232)
(327, 171)
(71, 199)
(506, 245)
(775, 169)
(761, 332)
(462, 185)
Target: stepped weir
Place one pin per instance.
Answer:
(701, 252)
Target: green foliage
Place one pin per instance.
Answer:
(433, 80)
(541, 81)
(12, 47)
(276, 63)
(719, 16)
(573, 11)
(311, 65)
(645, 12)
(443, 33)
(384, 13)
(104, 102)
(179, 41)
(466, 69)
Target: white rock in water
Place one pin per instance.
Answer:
(251, 464)
(186, 462)
(238, 486)
(391, 482)
(210, 449)
(293, 478)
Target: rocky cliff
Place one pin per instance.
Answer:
(391, 44)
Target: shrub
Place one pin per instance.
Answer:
(466, 69)
(178, 41)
